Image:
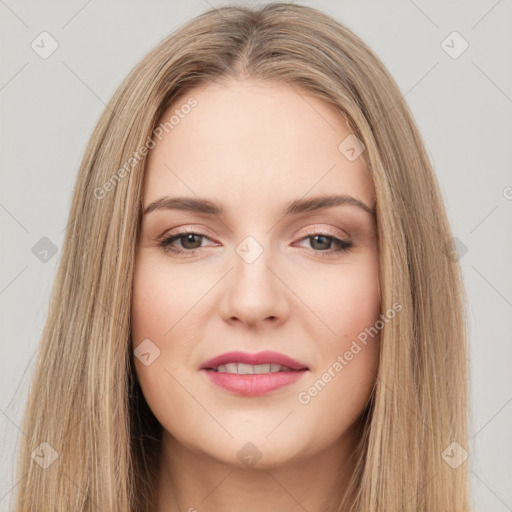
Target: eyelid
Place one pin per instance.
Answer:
(336, 232)
(185, 229)
(309, 231)
(343, 241)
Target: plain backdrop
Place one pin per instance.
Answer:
(462, 102)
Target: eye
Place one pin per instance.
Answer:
(191, 243)
(322, 243)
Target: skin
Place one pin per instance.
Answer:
(254, 147)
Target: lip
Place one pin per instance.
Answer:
(253, 384)
(265, 357)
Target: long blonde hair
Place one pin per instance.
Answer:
(85, 401)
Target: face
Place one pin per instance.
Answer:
(270, 272)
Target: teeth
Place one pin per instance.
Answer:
(232, 368)
(245, 369)
(249, 369)
(261, 368)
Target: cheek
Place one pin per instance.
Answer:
(166, 310)
(348, 349)
(358, 305)
(160, 299)
(346, 299)
(152, 316)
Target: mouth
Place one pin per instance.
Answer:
(251, 369)
(246, 363)
(248, 374)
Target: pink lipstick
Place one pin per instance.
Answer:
(249, 374)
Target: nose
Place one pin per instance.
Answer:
(255, 292)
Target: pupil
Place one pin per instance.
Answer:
(326, 240)
(190, 238)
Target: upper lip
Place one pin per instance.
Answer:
(265, 357)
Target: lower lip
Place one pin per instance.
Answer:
(253, 385)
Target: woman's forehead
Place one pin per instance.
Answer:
(243, 137)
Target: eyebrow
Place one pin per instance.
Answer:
(294, 207)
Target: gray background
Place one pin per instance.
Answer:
(462, 107)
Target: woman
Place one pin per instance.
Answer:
(257, 303)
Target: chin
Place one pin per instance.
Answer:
(252, 450)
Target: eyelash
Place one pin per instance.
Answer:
(344, 246)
